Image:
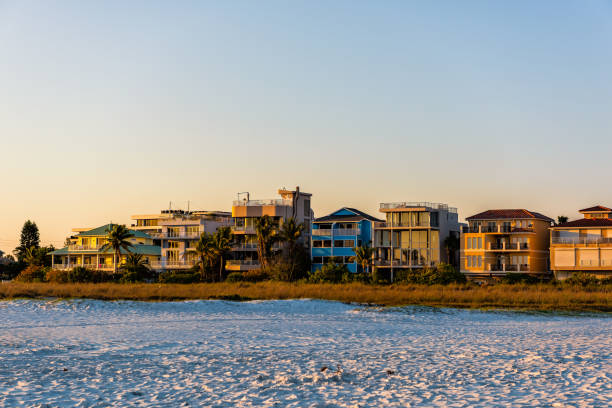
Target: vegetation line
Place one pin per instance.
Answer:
(518, 296)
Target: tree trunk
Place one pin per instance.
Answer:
(221, 269)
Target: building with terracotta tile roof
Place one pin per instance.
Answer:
(505, 241)
(583, 245)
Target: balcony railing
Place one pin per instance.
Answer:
(243, 229)
(507, 268)
(496, 229)
(242, 262)
(509, 246)
(277, 202)
(378, 225)
(336, 232)
(173, 264)
(185, 235)
(88, 266)
(581, 240)
(84, 247)
(416, 204)
(398, 263)
(239, 247)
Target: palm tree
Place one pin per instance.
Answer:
(290, 233)
(205, 253)
(363, 256)
(562, 219)
(32, 257)
(266, 235)
(136, 262)
(117, 238)
(222, 245)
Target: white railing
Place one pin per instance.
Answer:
(415, 204)
(581, 240)
(191, 235)
(88, 266)
(84, 247)
(172, 264)
(276, 201)
(508, 268)
(402, 225)
(336, 232)
(243, 229)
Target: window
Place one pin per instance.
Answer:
(469, 243)
(193, 230)
(479, 261)
(349, 243)
(339, 244)
(479, 242)
(469, 261)
(317, 244)
(306, 208)
(317, 259)
(174, 231)
(327, 243)
(173, 244)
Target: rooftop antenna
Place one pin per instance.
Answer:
(170, 206)
(242, 194)
(188, 202)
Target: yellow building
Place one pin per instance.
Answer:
(85, 249)
(499, 242)
(583, 245)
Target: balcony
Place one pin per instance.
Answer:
(416, 204)
(383, 225)
(580, 240)
(84, 247)
(244, 247)
(497, 268)
(193, 235)
(509, 246)
(173, 265)
(242, 229)
(336, 232)
(101, 267)
(497, 229)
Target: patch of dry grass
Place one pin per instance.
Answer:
(531, 297)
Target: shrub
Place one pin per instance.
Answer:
(516, 278)
(582, 279)
(32, 273)
(441, 275)
(381, 276)
(349, 277)
(254, 275)
(329, 273)
(179, 277)
(80, 274)
(234, 277)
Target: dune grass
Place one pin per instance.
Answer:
(526, 297)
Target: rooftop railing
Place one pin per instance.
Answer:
(581, 240)
(275, 201)
(417, 204)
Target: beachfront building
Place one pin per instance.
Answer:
(583, 245)
(150, 224)
(179, 235)
(500, 242)
(335, 236)
(85, 249)
(414, 235)
(246, 212)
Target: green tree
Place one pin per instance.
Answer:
(290, 233)
(562, 219)
(222, 241)
(205, 252)
(136, 268)
(30, 238)
(363, 256)
(37, 256)
(265, 231)
(117, 238)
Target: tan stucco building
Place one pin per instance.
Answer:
(500, 242)
(583, 245)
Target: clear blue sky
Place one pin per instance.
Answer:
(116, 108)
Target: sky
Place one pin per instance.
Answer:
(114, 108)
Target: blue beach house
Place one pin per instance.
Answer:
(335, 235)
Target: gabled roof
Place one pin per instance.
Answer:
(347, 214)
(101, 231)
(587, 223)
(519, 213)
(597, 208)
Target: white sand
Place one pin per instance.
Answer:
(215, 353)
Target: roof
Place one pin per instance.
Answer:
(135, 249)
(597, 208)
(101, 231)
(355, 216)
(510, 213)
(587, 223)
